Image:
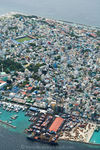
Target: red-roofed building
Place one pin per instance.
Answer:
(94, 35)
(27, 85)
(76, 104)
(39, 98)
(29, 88)
(2, 84)
(56, 124)
(23, 93)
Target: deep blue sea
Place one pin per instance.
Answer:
(14, 141)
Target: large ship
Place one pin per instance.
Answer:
(44, 139)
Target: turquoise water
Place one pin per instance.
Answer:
(17, 141)
(21, 122)
(95, 138)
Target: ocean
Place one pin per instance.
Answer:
(15, 141)
(78, 11)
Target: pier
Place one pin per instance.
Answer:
(8, 124)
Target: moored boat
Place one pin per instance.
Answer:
(38, 139)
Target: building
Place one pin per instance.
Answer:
(56, 124)
(2, 84)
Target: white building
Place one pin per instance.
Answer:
(2, 84)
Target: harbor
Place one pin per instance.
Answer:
(14, 121)
(43, 127)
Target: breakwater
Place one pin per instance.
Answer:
(8, 124)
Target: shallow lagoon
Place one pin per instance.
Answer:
(21, 122)
(95, 138)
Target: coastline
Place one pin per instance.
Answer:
(83, 137)
(87, 143)
(74, 23)
(80, 135)
(82, 142)
(10, 14)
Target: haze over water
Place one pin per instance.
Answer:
(78, 11)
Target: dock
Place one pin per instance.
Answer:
(8, 124)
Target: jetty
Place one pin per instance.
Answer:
(8, 124)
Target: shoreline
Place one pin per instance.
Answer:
(83, 137)
(66, 138)
(88, 143)
(10, 14)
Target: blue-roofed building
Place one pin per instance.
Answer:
(15, 89)
(34, 109)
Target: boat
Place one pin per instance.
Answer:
(23, 109)
(38, 139)
(10, 110)
(4, 107)
(97, 129)
(14, 117)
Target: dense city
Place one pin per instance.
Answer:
(51, 70)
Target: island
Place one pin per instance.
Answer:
(51, 70)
